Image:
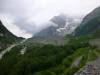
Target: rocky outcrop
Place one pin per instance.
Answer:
(92, 68)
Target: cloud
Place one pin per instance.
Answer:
(30, 15)
(8, 22)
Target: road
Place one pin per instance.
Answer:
(10, 48)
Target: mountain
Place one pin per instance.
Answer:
(6, 37)
(90, 23)
(90, 28)
(60, 20)
(60, 26)
(95, 13)
(47, 32)
(49, 59)
(57, 28)
(4, 31)
(80, 55)
(55, 23)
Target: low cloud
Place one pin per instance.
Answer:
(27, 17)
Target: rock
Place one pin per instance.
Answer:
(92, 68)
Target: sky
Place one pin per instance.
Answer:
(25, 17)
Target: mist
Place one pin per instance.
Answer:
(24, 18)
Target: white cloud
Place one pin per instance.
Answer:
(40, 11)
(8, 23)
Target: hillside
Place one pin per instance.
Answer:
(6, 37)
(47, 59)
(59, 27)
(90, 24)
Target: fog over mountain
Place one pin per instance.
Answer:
(26, 17)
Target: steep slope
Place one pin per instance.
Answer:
(48, 32)
(60, 20)
(6, 37)
(90, 23)
(95, 13)
(58, 27)
(55, 23)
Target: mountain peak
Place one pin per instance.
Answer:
(60, 20)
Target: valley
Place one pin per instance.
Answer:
(49, 53)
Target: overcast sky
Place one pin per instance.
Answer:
(25, 17)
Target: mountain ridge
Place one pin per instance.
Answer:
(90, 23)
(6, 37)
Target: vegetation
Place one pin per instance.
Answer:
(89, 27)
(47, 59)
